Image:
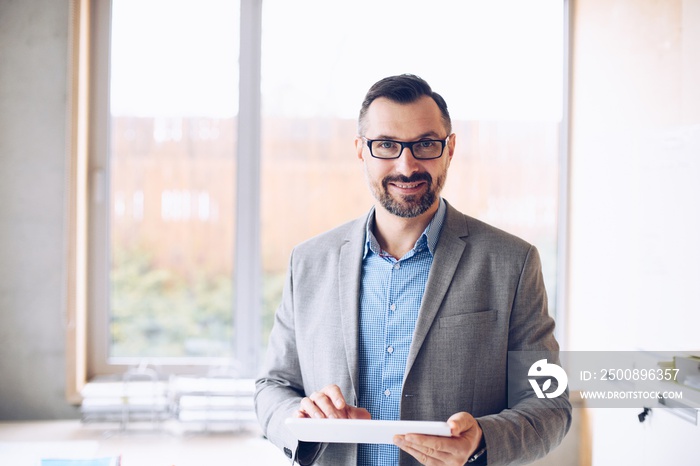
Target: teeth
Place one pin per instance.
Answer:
(406, 186)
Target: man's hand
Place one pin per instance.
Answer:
(443, 451)
(329, 402)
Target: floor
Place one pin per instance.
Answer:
(26, 443)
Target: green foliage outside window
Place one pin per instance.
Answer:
(160, 312)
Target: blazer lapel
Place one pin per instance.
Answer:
(349, 276)
(448, 253)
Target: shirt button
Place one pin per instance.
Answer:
(390, 349)
(387, 392)
(392, 307)
(397, 266)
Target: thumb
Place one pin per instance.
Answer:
(460, 423)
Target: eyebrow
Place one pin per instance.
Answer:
(429, 134)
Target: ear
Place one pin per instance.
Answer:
(360, 147)
(451, 146)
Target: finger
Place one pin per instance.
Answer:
(335, 394)
(432, 442)
(301, 414)
(326, 405)
(308, 406)
(464, 426)
(357, 413)
(436, 446)
(417, 454)
(425, 455)
(460, 423)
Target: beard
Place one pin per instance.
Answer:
(408, 206)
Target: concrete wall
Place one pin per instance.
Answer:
(33, 91)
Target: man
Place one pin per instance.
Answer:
(410, 311)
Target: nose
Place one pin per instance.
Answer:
(406, 164)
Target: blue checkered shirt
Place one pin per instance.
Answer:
(390, 299)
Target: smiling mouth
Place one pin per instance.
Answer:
(408, 185)
(415, 181)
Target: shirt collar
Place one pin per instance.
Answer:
(430, 235)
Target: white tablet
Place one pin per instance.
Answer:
(361, 430)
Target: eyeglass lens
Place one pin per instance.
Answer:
(427, 149)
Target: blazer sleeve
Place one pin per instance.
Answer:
(530, 429)
(279, 388)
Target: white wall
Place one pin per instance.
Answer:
(635, 165)
(33, 71)
(635, 204)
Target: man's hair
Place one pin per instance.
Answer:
(403, 89)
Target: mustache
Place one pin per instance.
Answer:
(421, 176)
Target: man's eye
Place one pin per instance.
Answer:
(387, 145)
(426, 144)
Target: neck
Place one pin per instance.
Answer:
(397, 235)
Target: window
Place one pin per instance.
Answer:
(221, 143)
(165, 230)
(498, 64)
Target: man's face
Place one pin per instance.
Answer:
(406, 186)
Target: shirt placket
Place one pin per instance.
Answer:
(390, 389)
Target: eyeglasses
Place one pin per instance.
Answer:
(425, 149)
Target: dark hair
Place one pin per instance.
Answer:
(403, 89)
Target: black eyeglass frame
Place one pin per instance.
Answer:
(410, 145)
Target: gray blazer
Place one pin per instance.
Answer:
(485, 296)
